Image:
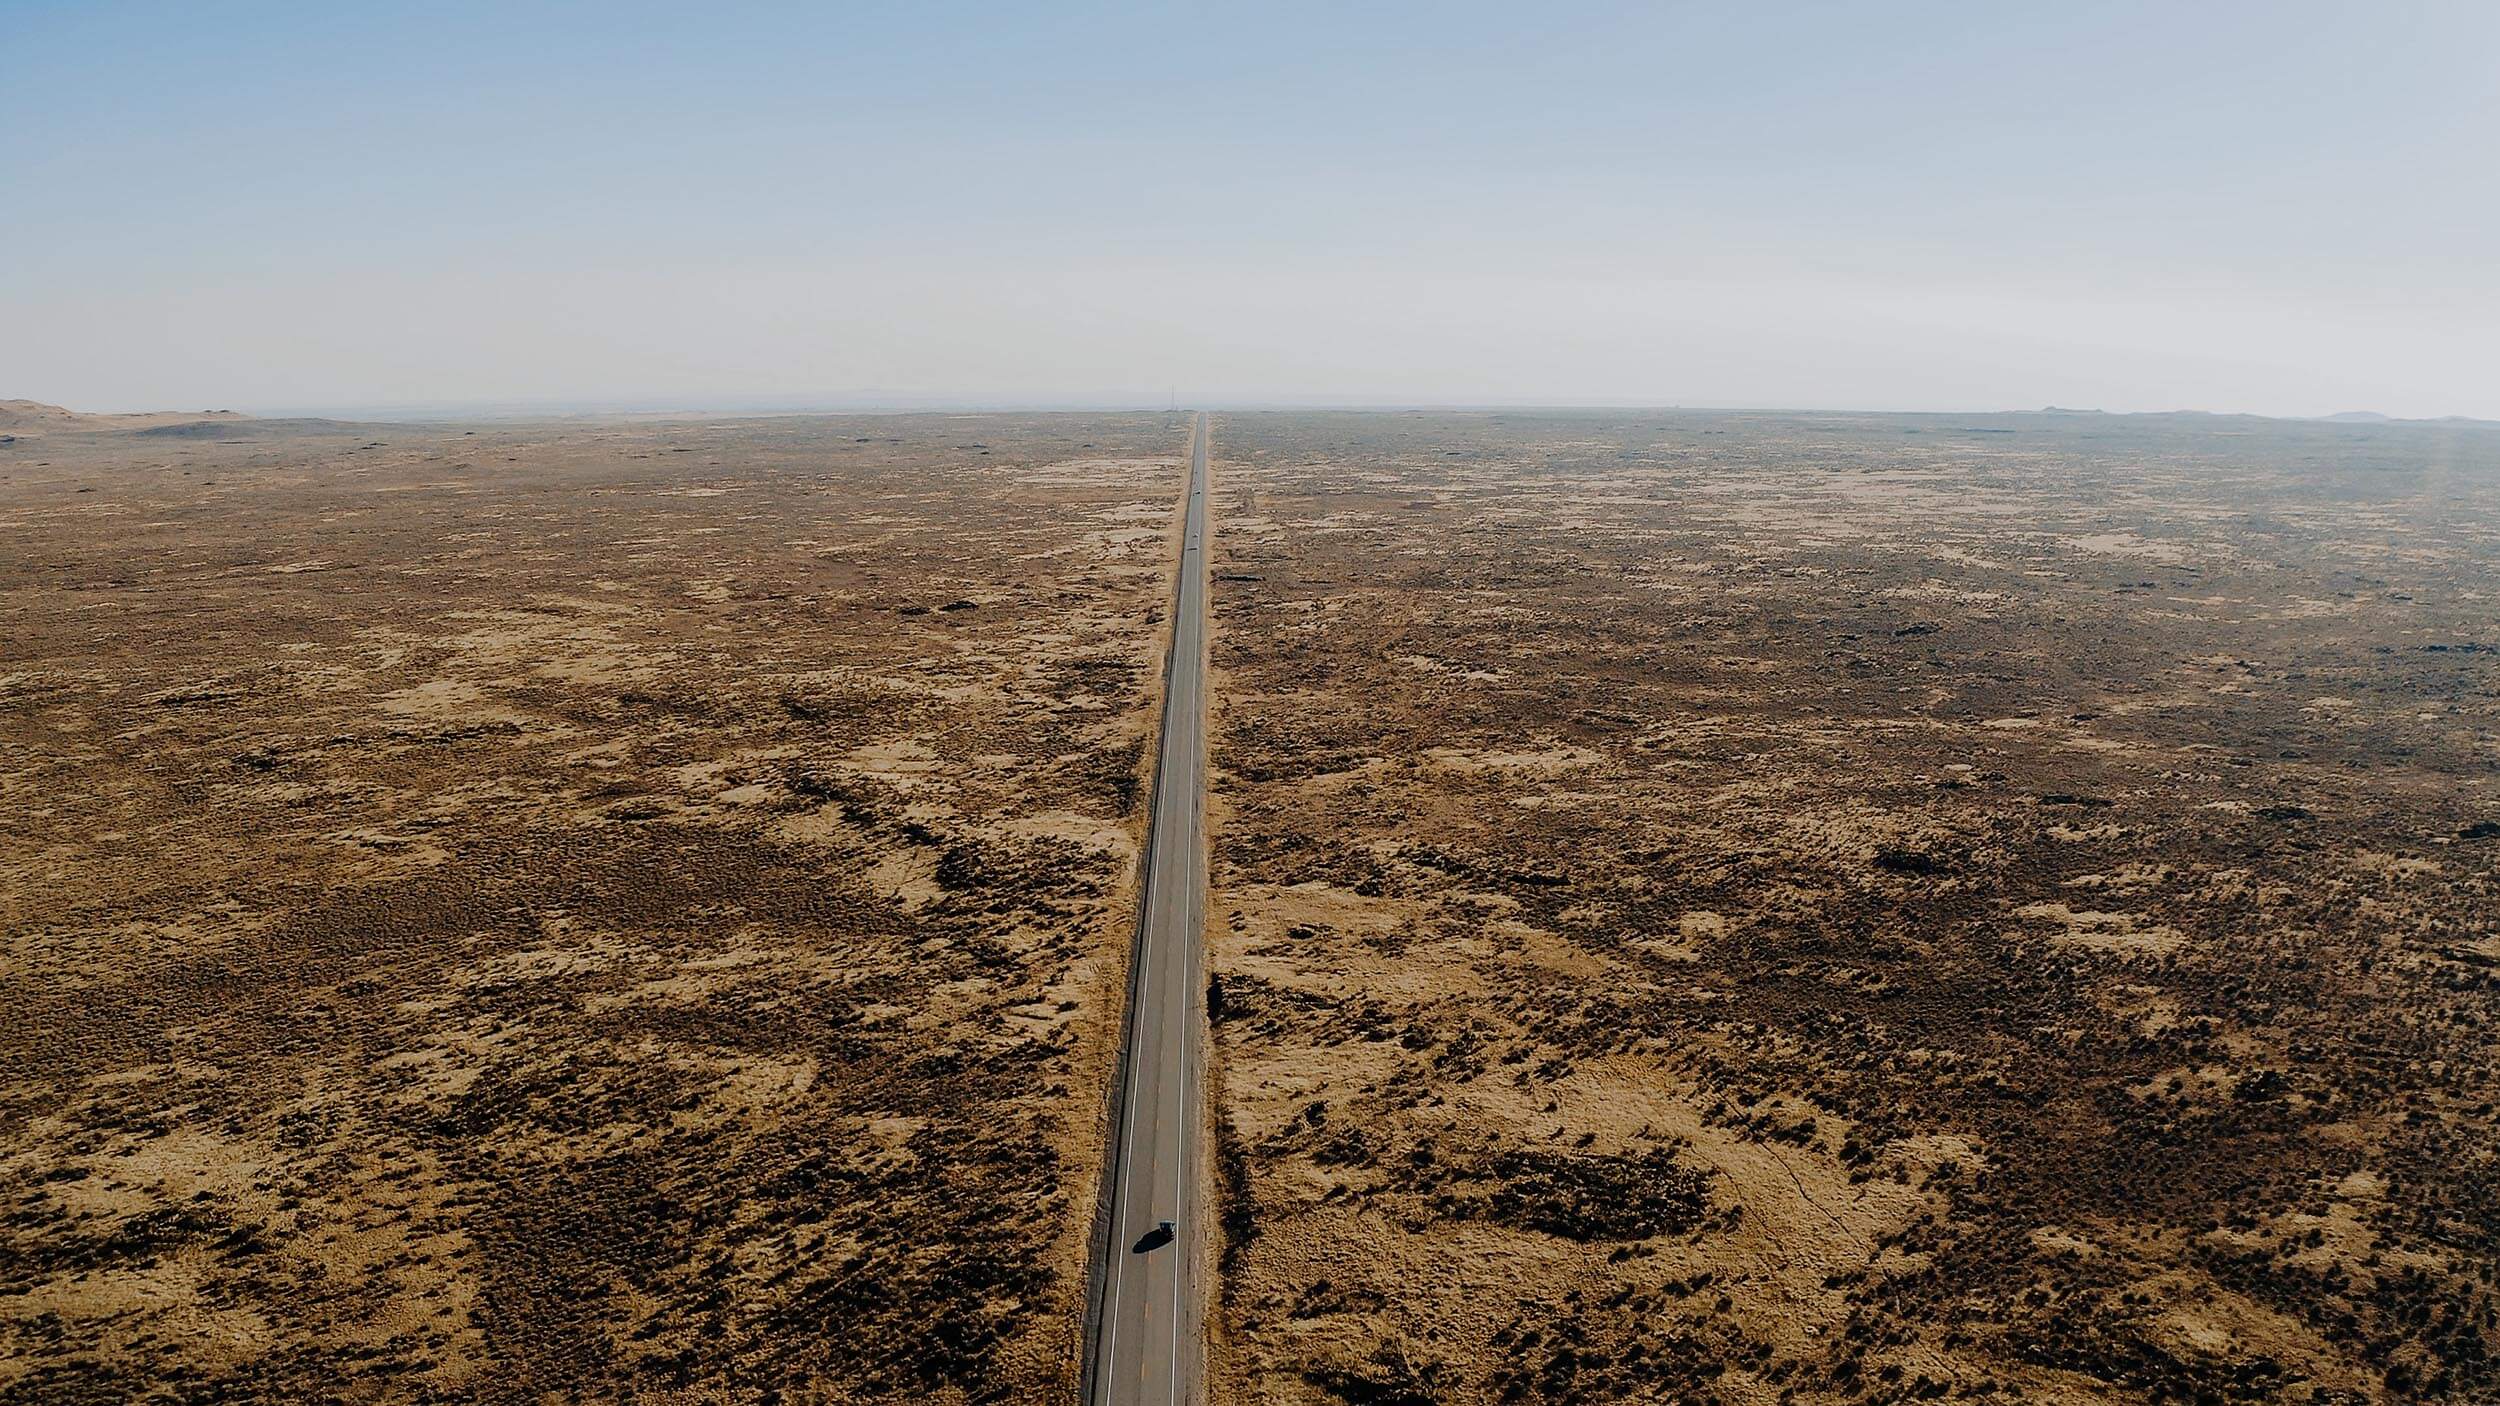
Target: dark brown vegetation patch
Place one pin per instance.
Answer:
(1581, 1197)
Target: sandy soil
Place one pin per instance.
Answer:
(1754, 909)
(585, 913)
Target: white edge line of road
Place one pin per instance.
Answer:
(1193, 521)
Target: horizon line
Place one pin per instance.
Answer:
(1129, 402)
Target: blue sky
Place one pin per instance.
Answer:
(2287, 208)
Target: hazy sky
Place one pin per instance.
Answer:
(2282, 207)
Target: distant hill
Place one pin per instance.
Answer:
(21, 416)
(2360, 417)
(34, 415)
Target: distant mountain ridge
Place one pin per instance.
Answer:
(2341, 417)
(2372, 417)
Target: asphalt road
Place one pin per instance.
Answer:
(1145, 1297)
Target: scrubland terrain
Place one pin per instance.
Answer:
(1712, 908)
(565, 912)
(1745, 909)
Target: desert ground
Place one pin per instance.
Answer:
(1706, 907)
(565, 912)
(1751, 909)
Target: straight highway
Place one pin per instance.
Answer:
(1144, 1301)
